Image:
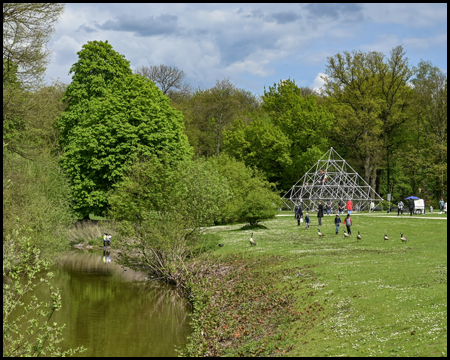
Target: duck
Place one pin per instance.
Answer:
(346, 235)
(320, 233)
(252, 242)
(359, 236)
(402, 238)
(386, 237)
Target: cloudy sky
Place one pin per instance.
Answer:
(254, 45)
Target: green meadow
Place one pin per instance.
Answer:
(299, 294)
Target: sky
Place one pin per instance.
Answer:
(252, 45)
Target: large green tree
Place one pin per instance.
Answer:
(369, 95)
(112, 117)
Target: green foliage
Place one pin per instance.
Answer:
(31, 333)
(370, 98)
(210, 112)
(283, 145)
(27, 28)
(112, 118)
(253, 197)
(39, 194)
(161, 207)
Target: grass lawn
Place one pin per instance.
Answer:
(335, 296)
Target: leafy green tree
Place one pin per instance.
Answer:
(161, 207)
(113, 116)
(370, 97)
(27, 28)
(305, 123)
(210, 112)
(428, 131)
(253, 198)
(260, 144)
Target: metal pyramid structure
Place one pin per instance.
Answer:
(331, 178)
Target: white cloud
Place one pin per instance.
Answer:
(318, 82)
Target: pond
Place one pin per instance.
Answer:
(114, 311)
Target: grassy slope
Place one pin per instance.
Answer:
(374, 297)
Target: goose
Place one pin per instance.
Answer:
(402, 238)
(386, 237)
(220, 245)
(252, 242)
(346, 235)
(320, 234)
(359, 236)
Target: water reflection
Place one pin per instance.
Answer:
(114, 311)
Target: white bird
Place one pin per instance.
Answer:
(252, 242)
(402, 238)
(346, 235)
(359, 236)
(386, 237)
(320, 234)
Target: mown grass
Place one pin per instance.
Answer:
(301, 295)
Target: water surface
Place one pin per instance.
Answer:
(113, 312)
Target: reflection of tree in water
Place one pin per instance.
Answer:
(124, 294)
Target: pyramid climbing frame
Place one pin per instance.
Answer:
(331, 178)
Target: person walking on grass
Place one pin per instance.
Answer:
(349, 207)
(307, 221)
(348, 223)
(441, 206)
(337, 222)
(400, 206)
(299, 214)
(411, 207)
(320, 213)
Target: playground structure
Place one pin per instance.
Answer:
(331, 178)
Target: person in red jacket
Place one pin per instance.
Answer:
(349, 207)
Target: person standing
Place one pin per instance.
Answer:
(337, 222)
(411, 207)
(400, 206)
(348, 223)
(104, 239)
(341, 207)
(320, 213)
(349, 207)
(372, 206)
(441, 206)
(307, 221)
(328, 205)
(299, 214)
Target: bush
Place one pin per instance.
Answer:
(253, 198)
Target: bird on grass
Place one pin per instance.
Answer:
(402, 238)
(252, 242)
(320, 233)
(359, 236)
(346, 235)
(386, 237)
(220, 245)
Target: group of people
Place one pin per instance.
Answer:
(320, 209)
(106, 239)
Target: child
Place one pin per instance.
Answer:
(104, 239)
(348, 222)
(307, 221)
(337, 221)
(108, 240)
